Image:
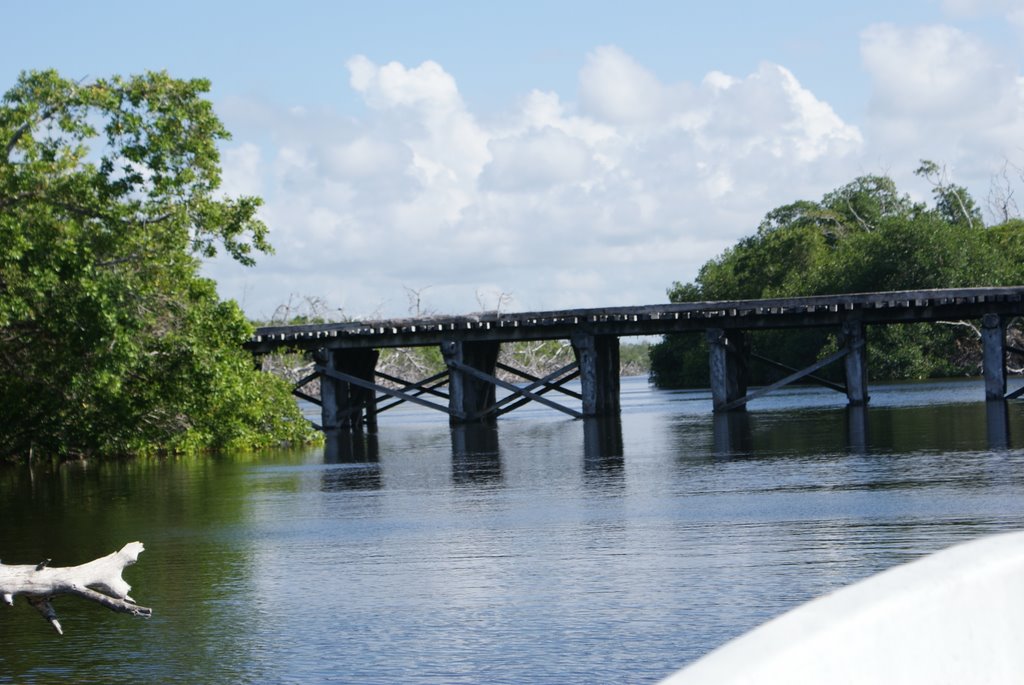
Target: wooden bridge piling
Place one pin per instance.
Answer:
(993, 344)
(598, 359)
(856, 362)
(345, 403)
(728, 354)
(470, 395)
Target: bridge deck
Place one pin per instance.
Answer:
(798, 312)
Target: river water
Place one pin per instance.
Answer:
(545, 550)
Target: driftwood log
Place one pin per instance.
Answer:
(98, 580)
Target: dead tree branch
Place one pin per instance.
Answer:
(98, 580)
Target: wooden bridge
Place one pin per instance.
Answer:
(351, 395)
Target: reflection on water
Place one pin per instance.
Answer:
(539, 549)
(603, 449)
(733, 433)
(997, 424)
(356, 455)
(351, 447)
(476, 458)
(857, 428)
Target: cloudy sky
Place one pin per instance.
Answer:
(551, 154)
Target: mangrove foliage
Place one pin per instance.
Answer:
(110, 341)
(863, 237)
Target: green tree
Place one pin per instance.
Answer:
(110, 342)
(864, 236)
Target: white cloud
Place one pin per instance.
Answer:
(536, 160)
(771, 113)
(365, 157)
(930, 70)
(614, 88)
(427, 86)
(558, 204)
(242, 167)
(943, 94)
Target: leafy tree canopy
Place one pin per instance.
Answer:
(864, 236)
(110, 341)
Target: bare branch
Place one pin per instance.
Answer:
(966, 324)
(1001, 203)
(415, 297)
(939, 178)
(863, 224)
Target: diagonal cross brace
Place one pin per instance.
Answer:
(428, 386)
(817, 379)
(546, 380)
(363, 383)
(821, 363)
(477, 373)
(500, 409)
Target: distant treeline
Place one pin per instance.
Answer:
(862, 237)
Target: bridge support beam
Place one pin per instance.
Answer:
(727, 357)
(856, 363)
(598, 359)
(993, 343)
(469, 395)
(344, 404)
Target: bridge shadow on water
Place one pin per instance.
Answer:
(476, 455)
(734, 432)
(997, 424)
(860, 430)
(354, 456)
(603, 449)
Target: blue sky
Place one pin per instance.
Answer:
(561, 154)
